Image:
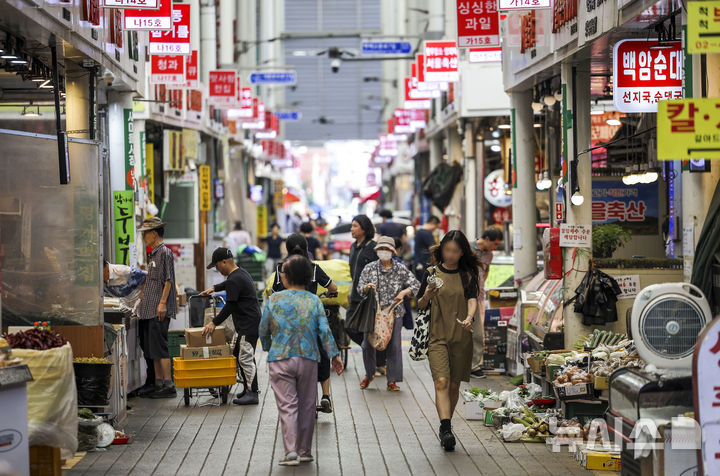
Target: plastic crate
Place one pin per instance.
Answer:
(209, 373)
(204, 372)
(255, 269)
(204, 364)
(584, 410)
(175, 340)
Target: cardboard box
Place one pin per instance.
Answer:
(207, 352)
(194, 337)
(601, 461)
(474, 411)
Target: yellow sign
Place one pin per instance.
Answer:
(703, 27)
(150, 171)
(190, 141)
(262, 220)
(688, 129)
(278, 199)
(204, 188)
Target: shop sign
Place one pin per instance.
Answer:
(91, 11)
(633, 207)
(124, 225)
(176, 40)
(150, 171)
(644, 75)
(288, 115)
(595, 17)
(191, 140)
(167, 69)
(173, 159)
(689, 128)
(524, 4)
(629, 286)
(418, 118)
(135, 4)
(575, 236)
(564, 22)
(141, 19)
(559, 214)
(478, 23)
(501, 215)
(85, 226)
(274, 77)
(418, 73)
(401, 123)
(388, 146)
(262, 220)
(485, 55)
(386, 47)
(129, 149)
(116, 30)
(495, 189)
(528, 37)
(277, 193)
(222, 87)
(703, 27)
(706, 374)
(204, 173)
(192, 80)
(441, 61)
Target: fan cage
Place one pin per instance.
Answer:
(654, 320)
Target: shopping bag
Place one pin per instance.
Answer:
(384, 325)
(421, 335)
(363, 319)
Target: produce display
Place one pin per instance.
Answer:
(536, 430)
(572, 376)
(597, 338)
(602, 368)
(35, 339)
(90, 360)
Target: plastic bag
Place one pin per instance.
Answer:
(87, 433)
(512, 399)
(512, 431)
(52, 398)
(534, 390)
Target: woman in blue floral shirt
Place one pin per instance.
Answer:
(291, 324)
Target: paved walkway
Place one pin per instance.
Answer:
(371, 432)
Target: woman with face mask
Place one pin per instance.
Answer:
(392, 281)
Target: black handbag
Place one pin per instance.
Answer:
(363, 319)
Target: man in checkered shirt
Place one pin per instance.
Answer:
(157, 306)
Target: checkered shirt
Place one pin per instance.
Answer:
(161, 268)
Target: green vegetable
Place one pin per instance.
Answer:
(520, 421)
(86, 413)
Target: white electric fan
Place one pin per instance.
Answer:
(666, 321)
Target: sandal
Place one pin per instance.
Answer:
(380, 371)
(366, 383)
(392, 387)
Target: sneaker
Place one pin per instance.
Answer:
(325, 406)
(447, 440)
(478, 374)
(306, 459)
(164, 392)
(250, 398)
(290, 460)
(146, 390)
(366, 383)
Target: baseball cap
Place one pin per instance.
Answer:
(218, 255)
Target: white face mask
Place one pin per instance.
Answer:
(385, 255)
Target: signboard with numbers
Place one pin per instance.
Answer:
(204, 188)
(524, 4)
(192, 80)
(575, 236)
(478, 23)
(643, 74)
(223, 86)
(689, 128)
(441, 61)
(175, 41)
(634, 207)
(703, 27)
(135, 4)
(485, 55)
(141, 19)
(167, 69)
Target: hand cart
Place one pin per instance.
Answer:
(213, 377)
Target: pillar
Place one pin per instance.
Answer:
(480, 184)
(455, 154)
(117, 103)
(208, 40)
(436, 151)
(470, 179)
(576, 80)
(523, 202)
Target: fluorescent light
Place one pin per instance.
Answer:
(537, 125)
(8, 56)
(614, 122)
(577, 199)
(18, 61)
(650, 177)
(504, 126)
(596, 112)
(44, 85)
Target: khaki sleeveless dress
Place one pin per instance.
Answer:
(450, 347)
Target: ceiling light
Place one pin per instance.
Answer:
(596, 112)
(47, 84)
(650, 177)
(614, 122)
(577, 199)
(537, 106)
(537, 125)
(495, 148)
(504, 126)
(558, 95)
(18, 60)
(549, 100)
(544, 183)
(8, 56)
(495, 134)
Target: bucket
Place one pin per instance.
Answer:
(93, 383)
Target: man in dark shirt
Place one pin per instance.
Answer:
(314, 246)
(390, 228)
(424, 240)
(242, 303)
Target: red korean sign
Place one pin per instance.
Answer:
(142, 19)
(644, 74)
(91, 11)
(478, 23)
(223, 87)
(441, 61)
(167, 69)
(388, 146)
(177, 40)
(401, 123)
(192, 80)
(412, 101)
(135, 4)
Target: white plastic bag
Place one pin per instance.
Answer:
(512, 431)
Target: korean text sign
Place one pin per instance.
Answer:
(689, 128)
(478, 23)
(204, 188)
(135, 4)
(634, 207)
(703, 27)
(129, 136)
(191, 71)
(142, 19)
(524, 4)
(124, 224)
(643, 74)
(167, 69)
(575, 236)
(175, 41)
(441, 61)
(223, 86)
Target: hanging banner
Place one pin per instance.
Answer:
(478, 23)
(441, 61)
(175, 41)
(689, 128)
(192, 81)
(703, 27)
(134, 4)
(634, 207)
(154, 19)
(129, 149)
(124, 225)
(388, 146)
(167, 69)
(223, 87)
(204, 188)
(643, 74)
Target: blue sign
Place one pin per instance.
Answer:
(274, 77)
(634, 207)
(386, 47)
(288, 115)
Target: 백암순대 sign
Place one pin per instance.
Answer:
(143, 19)
(175, 41)
(441, 61)
(689, 128)
(575, 236)
(644, 74)
(703, 27)
(634, 207)
(478, 23)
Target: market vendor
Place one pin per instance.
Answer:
(157, 306)
(242, 303)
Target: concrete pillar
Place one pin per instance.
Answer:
(470, 179)
(455, 154)
(577, 81)
(225, 33)
(436, 151)
(523, 202)
(480, 184)
(208, 40)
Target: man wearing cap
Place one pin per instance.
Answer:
(242, 303)
(157, 306)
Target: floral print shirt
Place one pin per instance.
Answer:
(291, 324)
(389, 282)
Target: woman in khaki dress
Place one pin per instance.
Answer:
(453, 307)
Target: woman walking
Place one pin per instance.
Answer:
(453, 308)
(362, 252)
(392, 281)
(291, 324)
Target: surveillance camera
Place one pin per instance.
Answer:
(335, 65)
(109, 78)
